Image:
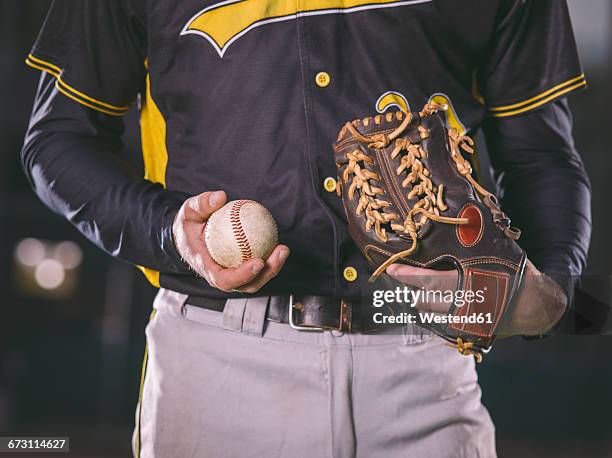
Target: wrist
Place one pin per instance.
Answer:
(554, 302)
(167, 235)
(540, 305)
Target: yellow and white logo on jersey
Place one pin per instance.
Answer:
(225, 22)
(392, 99)
(396, 99)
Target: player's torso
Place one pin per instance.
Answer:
(240, 76)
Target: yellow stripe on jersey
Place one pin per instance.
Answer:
(44, 66)
(154, 152)
(68, 94)
(151, 275)
(71, 92)
(153, 133)
(540, 99)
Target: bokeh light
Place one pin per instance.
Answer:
(69, 254)
(30, 252)
(50, 274)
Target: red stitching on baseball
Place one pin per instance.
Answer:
(238, 230)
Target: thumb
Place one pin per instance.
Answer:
(205, 204)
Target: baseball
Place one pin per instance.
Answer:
(239, 231)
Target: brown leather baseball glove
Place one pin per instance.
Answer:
(410, 198)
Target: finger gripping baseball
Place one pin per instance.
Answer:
(409, 197)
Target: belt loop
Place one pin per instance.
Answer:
(170, 301)
(233, 312)
(255, 316)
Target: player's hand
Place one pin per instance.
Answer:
(188, 231)
(539, 306)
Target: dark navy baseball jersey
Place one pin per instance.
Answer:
(248, 95)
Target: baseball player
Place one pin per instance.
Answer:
(241, 99)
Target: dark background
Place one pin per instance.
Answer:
(70, 357)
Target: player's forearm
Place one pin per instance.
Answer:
(547, 190)
(75, 167)
(553, 210)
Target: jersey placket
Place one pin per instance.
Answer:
(318, 47)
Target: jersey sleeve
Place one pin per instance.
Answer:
(533, 59)
(95, 49)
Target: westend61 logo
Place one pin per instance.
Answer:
(413, 297)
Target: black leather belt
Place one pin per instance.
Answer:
(311, 313)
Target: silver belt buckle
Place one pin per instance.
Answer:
(298, 327)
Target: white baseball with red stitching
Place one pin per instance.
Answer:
(239, 231)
